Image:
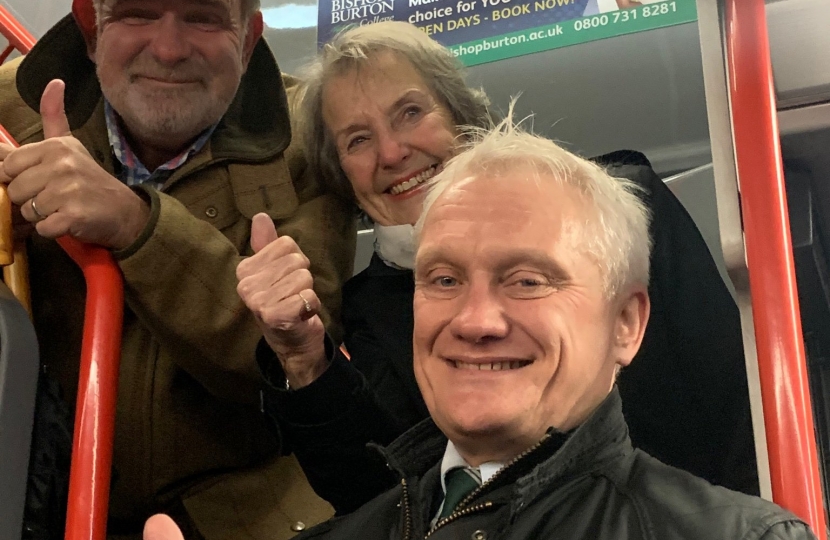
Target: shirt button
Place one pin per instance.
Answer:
(211, 212)
(479, 535)
(298, 526)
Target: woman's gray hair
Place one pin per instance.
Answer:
(358, 45)
(614, 234)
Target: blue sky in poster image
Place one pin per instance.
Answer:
(290, 16)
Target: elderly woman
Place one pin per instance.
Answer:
(382, 113)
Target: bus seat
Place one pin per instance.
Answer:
(809, 239)
(686, 395)
(19, 367)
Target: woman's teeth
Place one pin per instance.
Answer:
(414, 181)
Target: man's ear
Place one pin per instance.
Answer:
(630, 325)
(91, 43)
(255, 27)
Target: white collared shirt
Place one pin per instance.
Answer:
(451, 460)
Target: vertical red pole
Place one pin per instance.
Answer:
(89, 479)
(794, 469)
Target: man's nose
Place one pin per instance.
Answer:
(481, 318)
(393, 149)
(169, 42)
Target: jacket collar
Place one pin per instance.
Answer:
(378, 268)
(603, 437)
(255, 128)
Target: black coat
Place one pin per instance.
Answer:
(587, 485)
(685, 395)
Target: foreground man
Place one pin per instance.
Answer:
(531, 278)
(157, 129)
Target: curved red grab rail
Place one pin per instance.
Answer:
(794, 469)
(89, 477)
(17, 36)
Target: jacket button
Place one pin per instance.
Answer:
(298, 526)
(479, 535)
(211, 212)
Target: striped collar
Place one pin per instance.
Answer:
(133, 172)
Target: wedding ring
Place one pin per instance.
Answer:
(306, 305)
(40, 216)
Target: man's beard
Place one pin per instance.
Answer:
(165, 116)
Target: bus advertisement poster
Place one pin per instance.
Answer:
(480, 31)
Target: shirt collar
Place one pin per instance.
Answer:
(452, 459)
(134, 171)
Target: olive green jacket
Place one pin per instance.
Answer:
(189, 429)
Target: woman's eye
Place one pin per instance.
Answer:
(411, 113)
(355, 142)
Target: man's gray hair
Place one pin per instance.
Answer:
(248, 8)
(357, 46)
(616, 235)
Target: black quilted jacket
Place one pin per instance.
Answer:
(589, 485)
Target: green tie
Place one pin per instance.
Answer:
(460, 482)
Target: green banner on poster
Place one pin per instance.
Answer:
(479, 31)
(573, 32)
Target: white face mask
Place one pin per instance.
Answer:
(395, 244)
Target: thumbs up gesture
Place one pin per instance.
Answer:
(161, 527)
(62, 190)
(276, 285)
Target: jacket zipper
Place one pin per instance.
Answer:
(458, 514)
(481, 506)
(407, 520)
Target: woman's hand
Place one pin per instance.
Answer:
(277, 287)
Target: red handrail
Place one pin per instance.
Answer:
(89, 477)
(794, 468)
(6, 52)
(15, 33)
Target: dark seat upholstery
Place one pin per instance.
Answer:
(18, 385)
(685, 395)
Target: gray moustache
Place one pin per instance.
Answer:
(177, 79)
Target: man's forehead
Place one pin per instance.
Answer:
(495, 197)
(513, 209)
(231, 4)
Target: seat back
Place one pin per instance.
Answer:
(18, 385)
